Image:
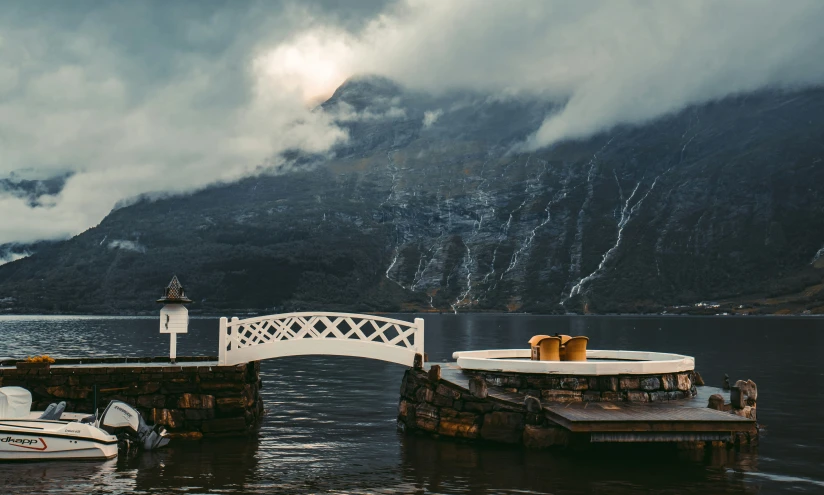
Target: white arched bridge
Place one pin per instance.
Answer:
(337, 334)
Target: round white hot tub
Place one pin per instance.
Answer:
(598, 363)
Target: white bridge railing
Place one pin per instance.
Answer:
(338, 334)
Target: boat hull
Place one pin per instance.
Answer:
(27, 440)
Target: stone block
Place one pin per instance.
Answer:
(442, 400)
(611, 396)
(717, 402)
(56, 380)
(230, 406)
(477, 407)
(171, 418)
(745, 412)
(434, 373)
(749, 390)
(593, 382)
(629, 383)
(402, 408)
(591, 396)
(532, 404)
(534, 418)
(218, 386)
(424, 394)
(637, 396)
(537, 381)
(199, 414)
(697, 379)
(151, 401)
(608, 383)
(562, 395)
(477, 387)
(506, 381)
(572, 383)
(650, 383)
(684, 383)
(658, 396)
(426, 417)
(148, 388)
(251, 395)
(505, 427)
(224, 425)
(669, 382)
(542, 437)
(447, 391)
(196, 401)
(459, 425)
(69, 392)
(736, 397)
(676, 395)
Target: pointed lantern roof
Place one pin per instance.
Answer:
(174, 293)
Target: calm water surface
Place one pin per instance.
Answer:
(330, 426)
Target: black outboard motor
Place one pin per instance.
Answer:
(122, 420)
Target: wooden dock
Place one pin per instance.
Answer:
(684, 420)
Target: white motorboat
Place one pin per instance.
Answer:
(27, 435)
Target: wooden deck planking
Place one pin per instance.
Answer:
(662, 417)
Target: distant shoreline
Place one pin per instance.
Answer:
(204, 316)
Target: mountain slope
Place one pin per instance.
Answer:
(426, 208)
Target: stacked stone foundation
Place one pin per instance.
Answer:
(623, 388)
(431, 405)
(442, 408)
(191, 399)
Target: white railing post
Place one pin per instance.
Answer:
(419, 336)
(221, 342)
(233, 343)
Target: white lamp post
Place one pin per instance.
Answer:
(174, 317)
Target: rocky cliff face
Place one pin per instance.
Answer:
(428, 207)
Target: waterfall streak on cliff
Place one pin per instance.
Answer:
(578, 248)
(818, 255)
(391, 265)
(626, 215)
(468, 268)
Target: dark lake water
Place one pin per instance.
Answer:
(330, 426)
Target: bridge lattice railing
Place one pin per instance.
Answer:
(343, 334)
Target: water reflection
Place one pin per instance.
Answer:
(330, 425)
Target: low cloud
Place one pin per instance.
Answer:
(126, 115)
(612, 62)
(431, 116)
(130, 98)
(343, 112)
(127, 246)
(12, 256)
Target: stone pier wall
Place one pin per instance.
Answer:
(431, 405)
(191, 399)
(441, 407)
(623, 388)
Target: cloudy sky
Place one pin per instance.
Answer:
(130, 98)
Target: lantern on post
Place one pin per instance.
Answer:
(174, 317)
